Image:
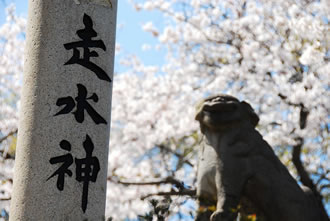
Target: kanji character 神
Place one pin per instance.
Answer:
(67, 160)
(87, 169)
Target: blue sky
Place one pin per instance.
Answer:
(130, 35)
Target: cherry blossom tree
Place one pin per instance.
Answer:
(273, 54)
(11, 69)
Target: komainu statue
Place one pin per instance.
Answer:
(238, 169)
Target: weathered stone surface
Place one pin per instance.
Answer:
(56, 120)
(236, 166)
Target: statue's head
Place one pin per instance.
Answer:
(223, 111)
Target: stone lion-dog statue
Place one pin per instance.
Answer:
(236, 165)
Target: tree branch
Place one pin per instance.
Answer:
(163, 147)
(296, 152)
(167, 180)
(324, 186)
(304, 177)
(185, 192)
(8, 135)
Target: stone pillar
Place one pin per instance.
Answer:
(64, 128)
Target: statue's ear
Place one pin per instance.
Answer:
(199, 108)
(198, 116)
(252, 115)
